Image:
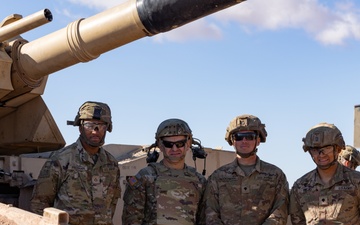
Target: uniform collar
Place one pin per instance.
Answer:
(84, 155)
(163, 168)
(237, 169)
(338, 176)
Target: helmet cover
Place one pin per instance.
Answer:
(321, 135)
(350, 154)
(94, 110)
(173, 127)
(245, 122)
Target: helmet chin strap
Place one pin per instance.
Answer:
(247, 155)
(324, 167)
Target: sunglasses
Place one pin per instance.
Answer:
(248, 136)
(324, 150)
(170, 144)
(92, 126)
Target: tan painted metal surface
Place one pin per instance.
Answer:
(10, 215)
(357, 126)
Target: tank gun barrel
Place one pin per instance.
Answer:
(86, 39)
(22, 25)
(26, 125)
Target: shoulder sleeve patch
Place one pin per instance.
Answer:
(45, 171)
(132, 181)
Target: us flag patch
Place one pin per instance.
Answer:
(132, 180)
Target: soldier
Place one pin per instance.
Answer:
(167, 192)
(329, 194)
(82, 179)
(349, 157)
(247, 190)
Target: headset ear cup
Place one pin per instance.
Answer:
(198, 150)
(152, 157)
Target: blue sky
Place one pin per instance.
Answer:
(291, 63)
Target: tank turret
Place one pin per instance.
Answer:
(26, 125)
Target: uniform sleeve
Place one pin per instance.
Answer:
(134, 201)
(45, 189)
(117, 194)
(211, 203)
(200, 214)
(296, 213)
(279, 213)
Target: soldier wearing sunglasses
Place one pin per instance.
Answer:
(169, 191)
(247, 190)
(82, 178)
(329, 194)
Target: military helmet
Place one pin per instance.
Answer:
(350, 154)
(94, 110)
(321, 135)
(245, 122)
(173, 127)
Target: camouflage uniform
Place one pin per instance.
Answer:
(233, 198)
(312, 202)
(351, 155)
(70, 181)
(160, 195)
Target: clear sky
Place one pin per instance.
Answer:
(291, 63)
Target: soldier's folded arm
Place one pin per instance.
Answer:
(134, 206)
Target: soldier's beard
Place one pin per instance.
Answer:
(91, 143)
(247, 155)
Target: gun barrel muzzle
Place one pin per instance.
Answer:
(25, 24)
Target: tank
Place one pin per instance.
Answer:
(28, 131)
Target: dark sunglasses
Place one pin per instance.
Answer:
(248, 136)
(170, 144)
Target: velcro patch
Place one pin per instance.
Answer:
(344, 188)
(45, 171)
(132, 180)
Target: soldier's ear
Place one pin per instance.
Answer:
(338, 149)
(258, 141)
(189, 143)
(161, 147)
(347, 163)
